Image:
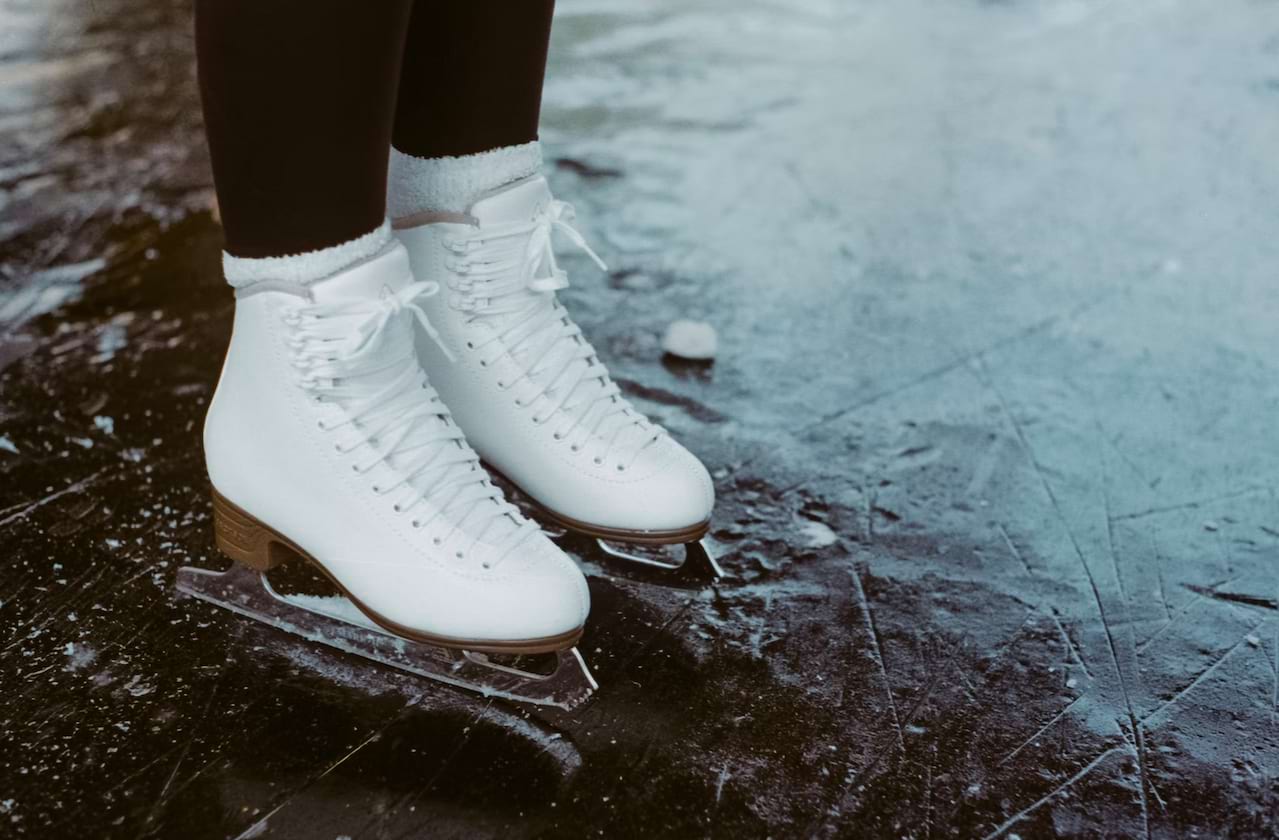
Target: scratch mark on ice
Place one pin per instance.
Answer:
(1200, 596)
(953, 364)
(1110, 520)
(878, 649)
(1190, 505)
(257, 828)
(1139, 743)
(159, 800)
(1075, 653)
(18, 511)
(1203, 675)
(1159, 574)
(1039, 732)
(1066, 785)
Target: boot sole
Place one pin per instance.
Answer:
(250, 542)
(674, 536)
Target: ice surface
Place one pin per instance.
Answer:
(998, 284)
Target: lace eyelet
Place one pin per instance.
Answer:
(416, 524)
(436, 540)
(377, 489)
(487, 565)
(483, 363)
(598, 460)
(459, 555)
(354, 468)
(621, 468)
(396, 507)
(470, 345)
(557, 436)
(575, 448)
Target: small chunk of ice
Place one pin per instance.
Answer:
(818, 534)
(105, 424)
(694, 340)
(7, 445)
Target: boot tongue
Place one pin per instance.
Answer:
(518, 203)
(521, 201)
(380, 276)
(387, 270)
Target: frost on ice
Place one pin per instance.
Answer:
(79, 656)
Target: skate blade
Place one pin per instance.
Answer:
(335, 622)
(646, 563)
(655, 564)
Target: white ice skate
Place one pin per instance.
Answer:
(531, 394)
(326, 442)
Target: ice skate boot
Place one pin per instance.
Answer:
(326, 442)
(532, 396)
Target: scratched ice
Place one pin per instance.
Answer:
(992, 430)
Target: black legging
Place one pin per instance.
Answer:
(300, 103)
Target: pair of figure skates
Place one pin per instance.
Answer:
(348, 429)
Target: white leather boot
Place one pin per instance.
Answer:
(325, 439)
(528, 389)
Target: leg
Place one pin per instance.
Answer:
(324, 441)
(521, 379)
(470, 97)
(472, 76)
(299, 99)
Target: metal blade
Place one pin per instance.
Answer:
(249, 593)
(697, 569)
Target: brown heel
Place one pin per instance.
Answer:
(242, 538)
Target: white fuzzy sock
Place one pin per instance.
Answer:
(451, 184)
(309, 266)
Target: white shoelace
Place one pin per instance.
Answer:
(509, 271)
(360, 355)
